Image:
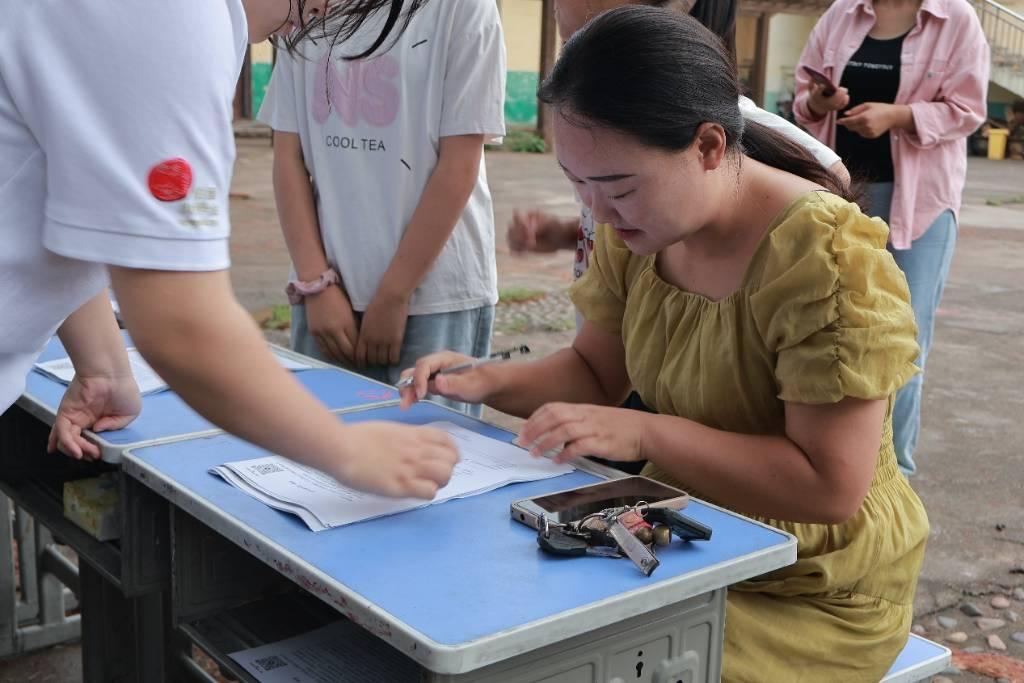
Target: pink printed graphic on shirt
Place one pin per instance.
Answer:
(357, 91)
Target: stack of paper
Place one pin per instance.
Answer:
(337, 653)
(322, 503)
(62, 370)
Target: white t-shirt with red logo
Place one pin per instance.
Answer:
(370, 131)
(115, 148)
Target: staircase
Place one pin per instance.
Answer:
(1004, 29)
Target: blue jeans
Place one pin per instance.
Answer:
(467, 332)
(926, 266)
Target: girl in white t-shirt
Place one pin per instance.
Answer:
(537, 231)
(116, 167)
(382, 192)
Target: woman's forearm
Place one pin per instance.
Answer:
(93, 340)
(564, 376)
(189, 327)
(756, 475)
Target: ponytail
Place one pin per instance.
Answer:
(774, 149)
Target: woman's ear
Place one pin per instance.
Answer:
(711, 142)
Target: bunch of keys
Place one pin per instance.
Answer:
(631, 530)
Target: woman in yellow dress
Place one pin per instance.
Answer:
(757, 310)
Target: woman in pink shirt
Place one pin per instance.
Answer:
(911, 78)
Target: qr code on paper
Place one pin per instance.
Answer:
(270, 663)
(268, 468)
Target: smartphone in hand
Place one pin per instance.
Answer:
(822, 80)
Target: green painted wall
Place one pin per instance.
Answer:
(521, 98)
(260, 78)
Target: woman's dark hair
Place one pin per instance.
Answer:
(718, 16)
(344, 19)
(657, 75)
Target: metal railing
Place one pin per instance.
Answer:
(1004, 29)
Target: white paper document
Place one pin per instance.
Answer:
(337, 653)
(322, 503)
(62, 370)
(149, 382)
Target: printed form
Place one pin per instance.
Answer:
(62, 370)
(322, 503)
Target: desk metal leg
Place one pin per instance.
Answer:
(122, 638)
(37, 619)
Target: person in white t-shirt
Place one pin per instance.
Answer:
(537, 231)
(382, 191)
(115, 161)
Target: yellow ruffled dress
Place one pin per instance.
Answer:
(823, 313)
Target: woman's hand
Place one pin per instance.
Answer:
(874, 119)
(396, 460)
(98, 403)
(579, 430)
(822, 105)
(469, 386)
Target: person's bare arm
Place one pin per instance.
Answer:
(103, 394)
(818, 471)
(329, 315)
(440, 206)
(191, 329)
(593, 371)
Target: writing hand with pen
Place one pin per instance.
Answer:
(453, 375)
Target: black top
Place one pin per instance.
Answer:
(872, 75)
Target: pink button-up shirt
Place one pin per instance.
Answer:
(944, 79)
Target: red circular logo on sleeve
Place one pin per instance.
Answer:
(170, 180)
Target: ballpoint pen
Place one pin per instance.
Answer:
(497, 357)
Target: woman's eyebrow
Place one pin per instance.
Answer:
(602, 178)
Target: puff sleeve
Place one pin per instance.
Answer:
(600, 295)
(834, 307)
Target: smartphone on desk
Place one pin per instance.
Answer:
(822, 80)
(573, 504)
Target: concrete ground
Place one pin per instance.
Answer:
(971, 456)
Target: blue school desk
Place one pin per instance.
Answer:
(461, 590)
(920, 659)
(165, 415)
(119, 584)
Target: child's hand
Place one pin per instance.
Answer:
(382, 330)
(539, 232)
(579, 430)
(396, 460)
(469, 386)
(97, 403)
(332, 324)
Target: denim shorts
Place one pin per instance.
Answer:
(467, 332)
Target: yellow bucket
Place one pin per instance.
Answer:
(997, 143)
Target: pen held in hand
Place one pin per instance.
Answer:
(497, 357)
